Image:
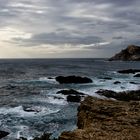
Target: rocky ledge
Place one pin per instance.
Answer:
(106, 120)
(132, 95)
(131, 53)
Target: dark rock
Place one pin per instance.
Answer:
(131, 53)
(134, 83)
(106, 78)
(137, 75)
(133, 95)
(106, 120)
(50, 78)
(3, 134)
(107, 93)
(73, 79)
(128, 71)
(22, 138)
(31, 109)
(73, 98)
(70, 92)
(117, 82)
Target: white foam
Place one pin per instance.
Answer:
(109, 85)
(48, 80)
(53, 100)
(18, 111)
(23, 131)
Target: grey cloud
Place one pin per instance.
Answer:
(58, 38)
(55, 21)
(117, 37)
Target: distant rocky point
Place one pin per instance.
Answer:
(131, 53)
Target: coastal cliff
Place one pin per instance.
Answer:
(106, 120)
(131, 53)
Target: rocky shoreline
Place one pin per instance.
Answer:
(106, 120)
(115, 117)
(101, 119)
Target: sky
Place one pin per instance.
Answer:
(67, 28)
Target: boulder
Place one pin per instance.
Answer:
(73, 79)
(131, 53)
(129, 71)
(133, 95)
(117, 82)
(70, 92)
(73, 98)
(106, 120)
(3, 134)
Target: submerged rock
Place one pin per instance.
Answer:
(137, 75)
(45, 136)
(131, 53)
(73, 79)
(129, 71)
(134, 83)
(106, 120)
(133, 95)
(31, 109)
(3, 134)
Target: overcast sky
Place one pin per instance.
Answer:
(67, 28)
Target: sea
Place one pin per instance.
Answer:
(30, 84)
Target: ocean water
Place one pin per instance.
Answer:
(30, 84)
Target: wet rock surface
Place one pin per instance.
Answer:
(117, 82)
(122, 96)
(106, 78)
(73, 79)
(131, 53)
(3, 134)
(129, 71)
(70, 92)
(73, 98)
(137, 75)
(106, 120)
(72, 95)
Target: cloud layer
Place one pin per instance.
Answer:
(67, 28)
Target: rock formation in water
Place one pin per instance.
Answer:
(132, 95)
(3, 134)
(106, 120)
(131, 53)
(129, 71)
(73, 79)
